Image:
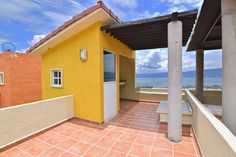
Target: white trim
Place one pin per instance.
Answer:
(225, 139)
(109, 118)
(109, 82)
(115, 65)
(2, 83)
(110, 100)
(51, 78)
(108, 51)
(106, 85)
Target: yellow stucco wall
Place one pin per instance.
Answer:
(83, 79)
(114, 46)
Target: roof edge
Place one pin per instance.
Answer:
(100, 4)
(152, 19)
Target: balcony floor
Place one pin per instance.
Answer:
(136, 131)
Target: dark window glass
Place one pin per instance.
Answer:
(109, 66)
(55, 74)
(56, 81)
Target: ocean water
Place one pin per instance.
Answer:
(188, 82)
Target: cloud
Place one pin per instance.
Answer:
(22, 50)
(156, 60)
(2, 40)
(192, 3)
(35, 39)
(56, 18)
(4, 37)
(213, 59)
(35, 15)
(179, 8)
(145, 14)
(13, 10)
(181, 5)
(151, 61)
(130, 4)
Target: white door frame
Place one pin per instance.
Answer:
(110, 93)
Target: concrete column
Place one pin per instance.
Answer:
(199, 74)
(228, 11)
(175, 81)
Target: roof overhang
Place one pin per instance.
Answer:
(74, 28)
(150, 33)
(207, 33)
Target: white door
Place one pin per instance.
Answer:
(110, 93)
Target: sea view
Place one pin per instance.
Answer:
(212, 79)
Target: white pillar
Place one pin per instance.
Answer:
(175, 81)
(228, 10)
(199, 74)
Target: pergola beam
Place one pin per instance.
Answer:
(160, 19)
(208, 25)
(211, 28)
(150, 33)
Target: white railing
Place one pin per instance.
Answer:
(19, 122)
(213, 137)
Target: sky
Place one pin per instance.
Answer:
(24, 22)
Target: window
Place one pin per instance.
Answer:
(56, 78)
(109, 67)
(1, 78)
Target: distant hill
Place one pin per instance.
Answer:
(208, 73)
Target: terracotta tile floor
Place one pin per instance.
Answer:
(135, 132)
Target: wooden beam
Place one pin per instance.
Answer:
(212, 43)
(211, 28)
(165, 18)
(208, 17)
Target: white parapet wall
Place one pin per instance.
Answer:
(213, 137)
(162, 109)
(19, 122)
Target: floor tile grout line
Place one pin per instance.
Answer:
(97, 142)
(173, 148)
(64, 150)
(105, 135)
(186, 153)
(112, 146)
(24, 151)
(152, 145)
(67, 150)
(195, 144)
(133, 144)
(76, 138)
(31, 145)
(50, 145)
(128, 120)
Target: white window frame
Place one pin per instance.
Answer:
(2, 73)
(52, 78)
(115, 65)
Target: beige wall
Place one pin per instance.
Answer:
(19, 122)
(212, 96)
(127, 73)
(129, 91)
(213, 137)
